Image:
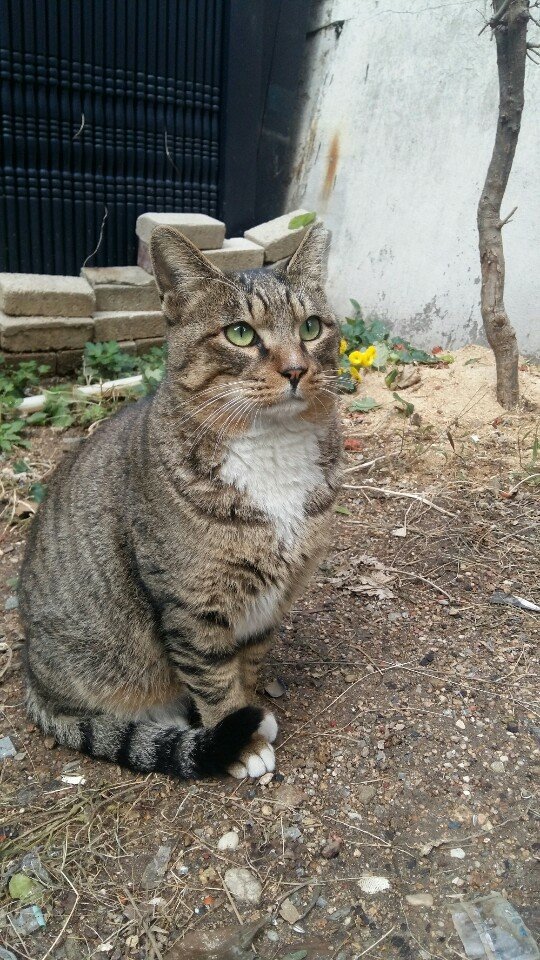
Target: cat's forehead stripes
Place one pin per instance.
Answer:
(273, 302)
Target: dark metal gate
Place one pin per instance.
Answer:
(114, 107)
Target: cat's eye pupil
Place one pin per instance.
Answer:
(310, 328)
(241, 334)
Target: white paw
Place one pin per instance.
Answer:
(268, 728)
(254, 762)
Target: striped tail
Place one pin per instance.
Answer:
(148, 746)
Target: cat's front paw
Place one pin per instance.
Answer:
(268, 727)
(258, 757)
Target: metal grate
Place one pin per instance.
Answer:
(107, 105)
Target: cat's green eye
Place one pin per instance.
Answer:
(241, 334)
(310, 328)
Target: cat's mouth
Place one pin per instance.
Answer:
(288, 405)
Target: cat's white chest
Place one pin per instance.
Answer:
(276, 466)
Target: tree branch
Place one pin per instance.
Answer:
(506, 220)
(497, 18)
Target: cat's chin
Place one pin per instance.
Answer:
(285, 409)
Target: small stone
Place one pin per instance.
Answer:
(243, 885)
(272, 935)
(6, 748)
(460, 724)
(512, 726)
(266, 810)
(275, 688)
(266, 779)
(419, 899)
(11, 603)
(366, 793)
(288, 797)
(292, 833)
(289, 912)
(155, 870)
(229, 841)
(332, 848)
(497, 766)
(49, 743)
(457, 853)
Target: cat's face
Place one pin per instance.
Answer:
(245, 347)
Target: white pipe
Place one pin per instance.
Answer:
(108, 387)
(33, 404)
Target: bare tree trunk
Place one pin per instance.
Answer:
(509, 22)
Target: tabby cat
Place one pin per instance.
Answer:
(173, 540)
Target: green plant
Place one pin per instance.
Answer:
(56, 411)
(361, 332)
(403, 406)
(363, 405)
(10, 435)
(15, 380)
(152, 367)
(106, 361)
(302, 220)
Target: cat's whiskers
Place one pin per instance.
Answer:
(236, 414)
(175, 403)
(196, 410)
(214, 417)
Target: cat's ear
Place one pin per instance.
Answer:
(179, 267)
(308, 264)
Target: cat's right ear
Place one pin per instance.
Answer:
(180, 269)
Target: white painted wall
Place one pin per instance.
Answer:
(403, 103)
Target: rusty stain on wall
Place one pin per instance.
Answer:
(331, 167)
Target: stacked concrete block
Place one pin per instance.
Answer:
(42, 317)
(122, 288)
(237, 253)
(277, 239)
(128, 308)
(203, 231)
(128, 324)
(32, 294)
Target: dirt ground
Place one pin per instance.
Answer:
(409, 748)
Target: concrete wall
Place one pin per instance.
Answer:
(398, 111)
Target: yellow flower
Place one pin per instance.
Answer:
(363, 358)
(354, 374)
(369, 356)
(343, 347)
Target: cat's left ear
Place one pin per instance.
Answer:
(309, 262)
(180, 268)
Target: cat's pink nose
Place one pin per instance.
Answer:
(294, 375)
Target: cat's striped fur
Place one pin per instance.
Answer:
(171, 543)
